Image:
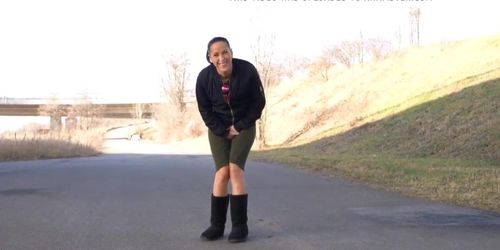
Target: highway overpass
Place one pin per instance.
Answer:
(68, 113)
(121, 110)
(73, 107)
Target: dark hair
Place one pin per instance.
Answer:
(214, 40)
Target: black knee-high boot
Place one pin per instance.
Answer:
(239, 218)
(217, 218)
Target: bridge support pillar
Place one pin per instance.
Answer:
(55, 122)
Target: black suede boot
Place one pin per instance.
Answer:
(217, 218)
(239, 218)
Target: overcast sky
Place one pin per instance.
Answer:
(114, 49)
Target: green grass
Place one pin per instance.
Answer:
(447, 149)
(470, 183)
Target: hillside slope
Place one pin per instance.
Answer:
(463, 125)
(304, 110)
(425, 122)
(447, 149)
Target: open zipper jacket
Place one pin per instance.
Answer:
(246, 98)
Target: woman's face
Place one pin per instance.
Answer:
(222, 58)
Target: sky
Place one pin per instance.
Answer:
(114, 49)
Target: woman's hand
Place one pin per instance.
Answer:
(232, 133)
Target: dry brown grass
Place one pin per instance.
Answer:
(30, 145)
(173, 125)
(304, 109)
(423, 122)
(447, 149)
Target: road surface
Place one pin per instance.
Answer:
(161, 201)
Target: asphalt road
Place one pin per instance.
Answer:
(139, 201)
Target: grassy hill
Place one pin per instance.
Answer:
(305, 109)
(439, 140)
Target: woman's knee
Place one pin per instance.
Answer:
(222, 175)
(235, 172)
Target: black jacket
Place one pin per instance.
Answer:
(246, 101)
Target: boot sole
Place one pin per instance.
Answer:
(203, 238)
(237, 240)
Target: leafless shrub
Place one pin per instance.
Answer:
(346, 53)
(88, 112)
(175, 84)
(414, 16)
(293, 64)
(176, 118)
(322, 66)
(174, 124)
(270, 74)
(377, 48)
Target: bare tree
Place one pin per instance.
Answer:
(377, 48)
(325, 62)
(263, 50)
(293, 64)
(88, 112)
(174, 116)
(177, 77)
(359, 48)
(346, 53)
(414, 15)
(398, 37)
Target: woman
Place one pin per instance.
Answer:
(230, 99)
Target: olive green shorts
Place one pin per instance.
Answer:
(235, 151)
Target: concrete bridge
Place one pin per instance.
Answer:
(70, 109)
(121, 110)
